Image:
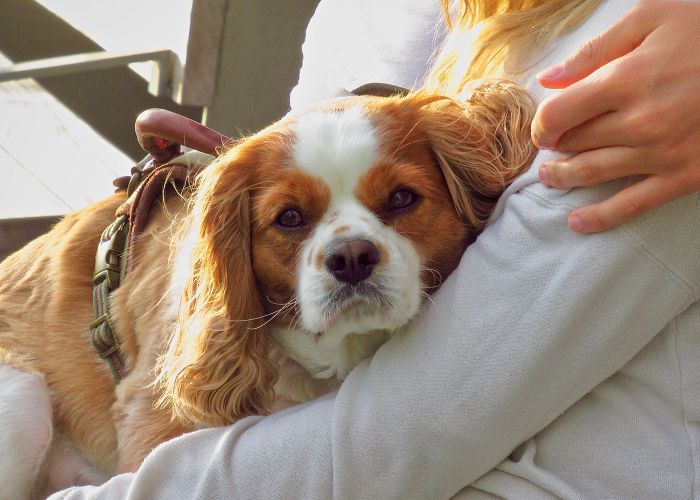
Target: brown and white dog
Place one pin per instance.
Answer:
(303, 248)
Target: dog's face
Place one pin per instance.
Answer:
(332, 222)
(351, 220)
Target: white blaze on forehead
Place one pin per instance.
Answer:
(339, 147)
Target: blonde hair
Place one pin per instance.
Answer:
(510, 31)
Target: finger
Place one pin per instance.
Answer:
(606, 130)
(626, 205)
(578, 104)
(621, 38)
(591, 168)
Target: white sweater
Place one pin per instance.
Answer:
(553, 364)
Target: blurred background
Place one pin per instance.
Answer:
(69, 97)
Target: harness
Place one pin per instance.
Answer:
(161, 134)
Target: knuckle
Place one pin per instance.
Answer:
(645, 9)
(544, 125)
(631, 207)
(622, 72)
(680, 184)
(555, 177)
(568, 142)
(621, 78)
(639, 11)
(684, 154)
(589, 51)
(546, 113)
(634, 122)
(587, 174)
(693, 182)
(685, 179)
(595, 219)
(646, 125)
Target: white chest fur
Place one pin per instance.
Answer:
(327, 356)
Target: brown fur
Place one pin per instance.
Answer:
(209, 360)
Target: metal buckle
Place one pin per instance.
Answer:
(102, 319)
(110, 250)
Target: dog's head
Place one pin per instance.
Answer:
(332, 222)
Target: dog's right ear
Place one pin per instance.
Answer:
(481, 145)
(216, 368)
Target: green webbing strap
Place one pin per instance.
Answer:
(110, 262)
(102, 335)
(108, 269)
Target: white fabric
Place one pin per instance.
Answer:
(552, 364)
(349, 44)
(25, 430)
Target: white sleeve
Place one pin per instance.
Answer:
(534, 317)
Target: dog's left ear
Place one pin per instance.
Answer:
(481, 145)
(216, 368)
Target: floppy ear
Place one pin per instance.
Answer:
(481, 145)
(216, 368)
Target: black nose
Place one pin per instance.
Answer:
(352, 261)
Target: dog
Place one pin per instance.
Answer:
(290, 260)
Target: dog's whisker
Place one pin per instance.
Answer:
(285, 307)
(427, 296)
(274, 314)
(297, 318)
(272, 318)
(279, 303)
(435, 274)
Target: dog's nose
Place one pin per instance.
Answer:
(352, 261)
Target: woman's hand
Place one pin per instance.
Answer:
(631, 106)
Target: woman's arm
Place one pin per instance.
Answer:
(533, 319)
(632, 107)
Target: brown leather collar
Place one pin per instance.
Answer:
(381, 90)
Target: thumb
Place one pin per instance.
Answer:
(620, 39)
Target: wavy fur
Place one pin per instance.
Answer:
(481, 145)
(216, 368)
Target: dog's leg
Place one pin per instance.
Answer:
(26, 429)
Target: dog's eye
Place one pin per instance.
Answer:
(290, 218)
(401, 198)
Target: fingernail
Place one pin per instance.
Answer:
(551, 72)
(575, 223)
(543, 174)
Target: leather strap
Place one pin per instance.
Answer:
(164, 166)
(381, 90)
(161, 133)
(137, 207)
